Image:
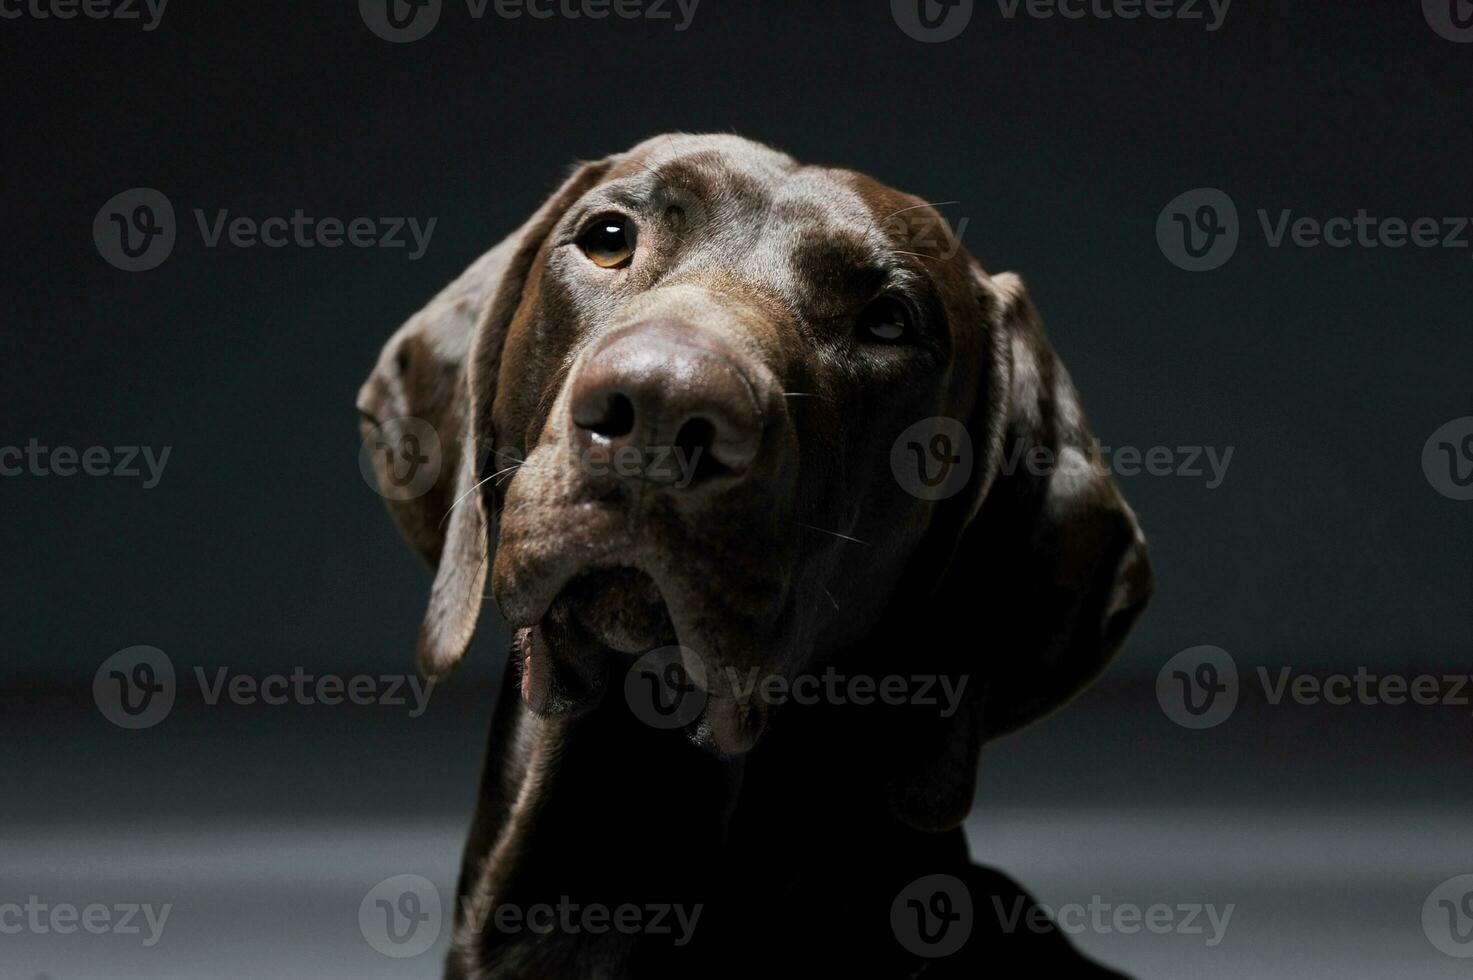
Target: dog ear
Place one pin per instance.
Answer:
(1044, 552)
(413, 407)
(440, 368)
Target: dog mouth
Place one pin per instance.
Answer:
(602, 630)
(620, 607)
(592, 581)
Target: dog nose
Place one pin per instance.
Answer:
(665, 410)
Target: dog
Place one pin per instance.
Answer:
(727, 427)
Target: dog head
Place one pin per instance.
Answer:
(713, 398)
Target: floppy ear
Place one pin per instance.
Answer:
(417, 389)
(442, 367)
(1048, 561)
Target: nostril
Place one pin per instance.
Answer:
(693, 446)
(715, 447)
(695, 436)
(611, 417)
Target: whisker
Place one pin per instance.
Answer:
(834, 533)
(913, 207)
(934, 258)
(473, 489)
(831, 597)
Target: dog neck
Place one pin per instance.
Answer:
(605, 812)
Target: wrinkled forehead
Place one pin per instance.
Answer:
(736, 180)
(763, 215)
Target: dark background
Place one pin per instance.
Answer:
(263, 549)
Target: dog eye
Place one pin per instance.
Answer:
(609, 242)
(888, 320)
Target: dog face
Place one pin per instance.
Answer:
(671, 404)
(700, 389)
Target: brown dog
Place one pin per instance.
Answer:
(679, 409)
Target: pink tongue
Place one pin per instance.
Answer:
(536, 668)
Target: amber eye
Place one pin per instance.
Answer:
(609, 242)
(888, 320)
